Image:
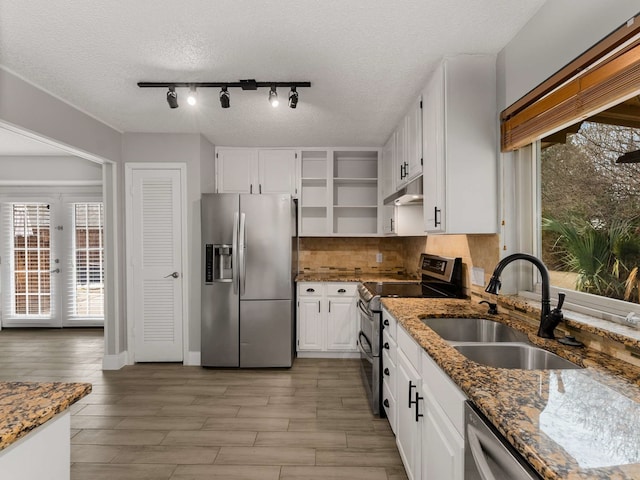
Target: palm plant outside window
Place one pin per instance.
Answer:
(590, 204)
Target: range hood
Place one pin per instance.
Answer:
(410, 194)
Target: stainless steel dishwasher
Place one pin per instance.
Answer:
(487, 455)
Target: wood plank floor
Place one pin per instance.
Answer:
(168, 421)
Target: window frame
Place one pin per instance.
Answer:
(529, 284)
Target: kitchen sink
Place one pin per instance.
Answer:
(474, 330)
(520, 356)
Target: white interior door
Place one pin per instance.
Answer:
(154, 231)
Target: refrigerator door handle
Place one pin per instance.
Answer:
(235, 267)
(242, 247)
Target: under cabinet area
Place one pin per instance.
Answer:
(327, 319)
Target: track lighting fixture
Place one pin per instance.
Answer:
(293, 98)
(192, 99)
(225, 99)
(273, 97)
(249, 84)
(172, 97)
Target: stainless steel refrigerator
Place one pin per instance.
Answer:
(249, 250)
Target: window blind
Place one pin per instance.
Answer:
(606, 74)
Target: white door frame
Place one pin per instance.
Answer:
(129, 167)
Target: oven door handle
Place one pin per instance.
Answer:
(369, 353)
(366, 312)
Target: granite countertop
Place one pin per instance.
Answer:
(353, 276)
(27, 405)
(568, 424)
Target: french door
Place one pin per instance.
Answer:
(52, 262)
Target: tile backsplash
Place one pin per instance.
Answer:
(399, 254)
(320, 254)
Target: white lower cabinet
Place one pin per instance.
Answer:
(410, 404)
(327, 319)
(408, 420)
(442, 445)
(429, 414)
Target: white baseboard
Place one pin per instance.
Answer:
(328, 354)
(192, 359)
(114, 362)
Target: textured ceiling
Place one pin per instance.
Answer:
(366, 60)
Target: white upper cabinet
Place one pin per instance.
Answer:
(408, 151)
(256, 171)
(460, 146)
(401, 154)
(388, 167)
(414, 141)
(236, 170)
(277, 171)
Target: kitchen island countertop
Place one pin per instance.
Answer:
(25, 406)
(568, 424)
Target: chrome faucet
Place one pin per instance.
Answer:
(549, 319)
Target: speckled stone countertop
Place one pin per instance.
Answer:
(568, 424)
(25, 405)
(353, 276)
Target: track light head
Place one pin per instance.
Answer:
(273, 97)
(293, 98)
(192, 98)
(225, 99)
(172, 97)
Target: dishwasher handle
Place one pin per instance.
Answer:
(473, 435)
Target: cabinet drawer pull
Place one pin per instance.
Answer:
(318, 306)
(260, 188)
(311, 290)
(251, 188)
(342, 290)
(386, 403)
(386, 345)
(386, 372)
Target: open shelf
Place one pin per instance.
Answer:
(314, 220)
(355, 164)
(355, 220)
(339, 192)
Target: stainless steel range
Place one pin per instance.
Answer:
(441, 278)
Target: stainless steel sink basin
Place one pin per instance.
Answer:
(474, 330)
(521, 356)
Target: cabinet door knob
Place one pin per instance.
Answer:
(342, 290)
(386, 372)
(386, 345)
(386, 403)
(311, 290)
(386, 323)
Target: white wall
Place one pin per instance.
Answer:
(559, 32)
(198, 154)
(48, 169)
(30, 108)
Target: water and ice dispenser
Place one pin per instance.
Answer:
(219, 263)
